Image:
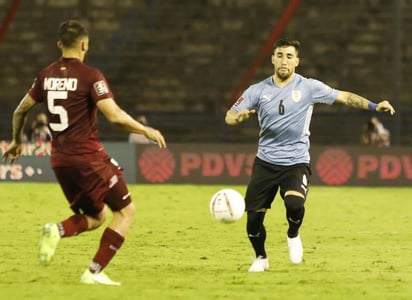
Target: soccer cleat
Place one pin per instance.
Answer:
(49, 240)
(260, 264)
(295, 249)
(96, 278)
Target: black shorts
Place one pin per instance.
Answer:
(267, 178)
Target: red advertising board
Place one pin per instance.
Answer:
(362, 166)
(231, 164)
(226, 164)
(34, 164)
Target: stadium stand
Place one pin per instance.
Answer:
(178, 62)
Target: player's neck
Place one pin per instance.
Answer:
(281, 82)
(72, 54)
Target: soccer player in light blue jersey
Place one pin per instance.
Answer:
(284, 104)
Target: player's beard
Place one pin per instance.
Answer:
(283, 75)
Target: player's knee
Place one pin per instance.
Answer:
(126, 214)
(94, 221)
(294, 203)
(129, 211)
(101, 216)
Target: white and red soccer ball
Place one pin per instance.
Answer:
(227, 206)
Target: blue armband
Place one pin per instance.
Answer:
(372, 106)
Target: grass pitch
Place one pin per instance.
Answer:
(357, 241)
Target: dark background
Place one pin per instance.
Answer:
(180, 61)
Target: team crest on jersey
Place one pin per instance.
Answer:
(100, 87)
(296, 95)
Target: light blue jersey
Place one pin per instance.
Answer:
(284, 116)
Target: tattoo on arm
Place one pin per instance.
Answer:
(356, 101)
(19, 117)
(18, 125)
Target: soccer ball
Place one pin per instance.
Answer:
(227, 206)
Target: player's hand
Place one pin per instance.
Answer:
(156, 136)
(244, 115)
(12, 153)
(385, 106)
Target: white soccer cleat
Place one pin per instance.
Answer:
(96, 278)
(49, 240)
(295, 249)
(260, 264)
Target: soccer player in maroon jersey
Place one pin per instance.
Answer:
(72, 92)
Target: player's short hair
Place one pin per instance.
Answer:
(286, 43)
(70, 32)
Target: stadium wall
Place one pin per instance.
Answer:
(179, 62)
(226, 164)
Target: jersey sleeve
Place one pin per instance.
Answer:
(322, 93)
(248, 100)
(99, 87)
(35, 91)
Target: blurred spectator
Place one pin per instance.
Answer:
(40, 132)
(136, 138)
(374, 133)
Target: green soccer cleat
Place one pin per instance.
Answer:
(96, 278)
(49, 240)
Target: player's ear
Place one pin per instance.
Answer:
(84, 44)
(297, 62)
(59, 45)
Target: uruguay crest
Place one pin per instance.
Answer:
(296, 95)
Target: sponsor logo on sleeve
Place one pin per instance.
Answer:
(100, 87)
(238, 101)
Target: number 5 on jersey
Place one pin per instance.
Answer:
(57, 109)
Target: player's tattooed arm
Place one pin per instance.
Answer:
(20, 115)
(356, 101)
(352, 100)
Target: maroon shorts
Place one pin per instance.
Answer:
(89, 184)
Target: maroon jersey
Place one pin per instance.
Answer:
(70, 90)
